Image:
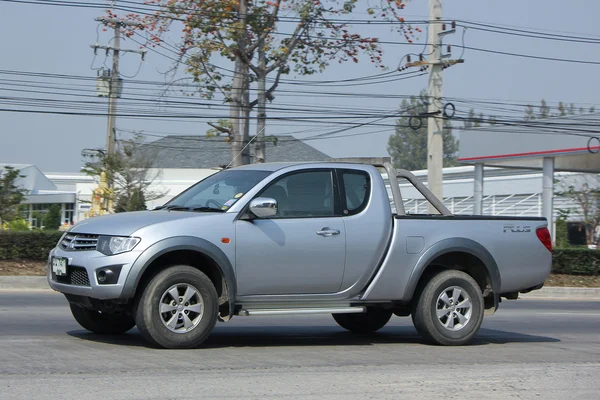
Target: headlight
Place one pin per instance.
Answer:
(110, 245)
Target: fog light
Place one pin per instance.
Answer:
(108, 275)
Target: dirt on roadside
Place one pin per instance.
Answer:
(32, 268)
(22, 268)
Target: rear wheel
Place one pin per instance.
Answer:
(178, 308)
(450, 308)
(101, 323)
(370, 321)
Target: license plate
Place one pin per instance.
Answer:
(59, 266)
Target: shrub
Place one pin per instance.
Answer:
(53, 217)
(576, 261)
(18, 224)
(35, 245)
(32, 245)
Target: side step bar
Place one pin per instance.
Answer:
(297, 311)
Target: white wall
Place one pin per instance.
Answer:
(497, 182)
(171, 182)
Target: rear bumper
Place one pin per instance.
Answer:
(536, 287)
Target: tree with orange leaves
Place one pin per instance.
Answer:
(261, 38)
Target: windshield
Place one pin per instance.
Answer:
(217, 192)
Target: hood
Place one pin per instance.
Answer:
(124, 224)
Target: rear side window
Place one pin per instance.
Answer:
(357, 187)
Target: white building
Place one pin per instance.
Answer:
(183, 162)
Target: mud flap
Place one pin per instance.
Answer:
(491, 302)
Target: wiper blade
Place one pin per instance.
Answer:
(171, 207)
(175, 207)
(206, 209)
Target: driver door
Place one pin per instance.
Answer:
(302, 249)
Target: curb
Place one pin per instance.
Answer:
(548, 292)
(24, 283)
(555, 292)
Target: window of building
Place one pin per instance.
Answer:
(68, 213)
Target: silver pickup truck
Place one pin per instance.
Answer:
(296, 238)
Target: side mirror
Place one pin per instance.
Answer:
(263, 207)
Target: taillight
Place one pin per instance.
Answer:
(544, 235)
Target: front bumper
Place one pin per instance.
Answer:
(87, 262)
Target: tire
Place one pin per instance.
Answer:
(101, 323)
(368, 322)
(189, 303)
(457, 325)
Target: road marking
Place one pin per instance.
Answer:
(571, 313)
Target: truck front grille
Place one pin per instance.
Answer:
(79, 242)
(77, 276)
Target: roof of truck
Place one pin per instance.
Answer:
(275, 166)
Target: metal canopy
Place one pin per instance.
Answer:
(573, 142)
(570, 143)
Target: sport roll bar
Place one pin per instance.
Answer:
(393, 175)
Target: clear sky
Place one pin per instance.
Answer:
(56, 40)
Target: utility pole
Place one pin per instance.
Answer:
(435, 117)
(114, 83)
(114, 86)
(435, 124)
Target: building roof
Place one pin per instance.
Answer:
(202, 152)
(31, 178)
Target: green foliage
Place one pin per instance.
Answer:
(576, 262)
(135, 202)
(585, 193)
(17, 224)
(38, 219)
(131, 171)
(529, 113)
(561, 230)
(408, 146)
(52, 219)
(545, 111)
(11, 195)
(31, 245)
(475, 121)
(222, 126)
(35, 245)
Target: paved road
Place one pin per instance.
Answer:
(530, 349)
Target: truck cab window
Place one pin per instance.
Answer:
(306, 194)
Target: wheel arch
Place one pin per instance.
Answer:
(461, 254)
(185, 250)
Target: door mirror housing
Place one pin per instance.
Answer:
(263, 207)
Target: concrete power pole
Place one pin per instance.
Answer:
(435, 117)
(114, 85)
(435, 124)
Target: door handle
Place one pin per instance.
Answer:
(328, 232)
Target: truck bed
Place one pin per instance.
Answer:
(508, 246)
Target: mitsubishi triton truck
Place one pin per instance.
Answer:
(296, 238)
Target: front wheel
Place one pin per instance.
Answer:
(368, 322)
(101, 323)
(178, 308)
(450, 308)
